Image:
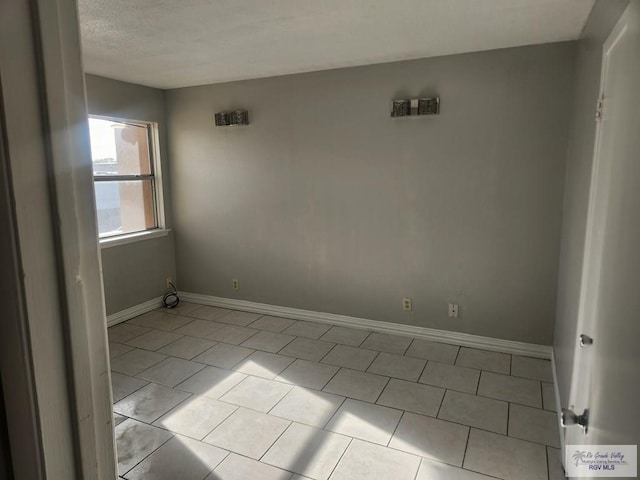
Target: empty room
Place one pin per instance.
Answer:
(321, 240)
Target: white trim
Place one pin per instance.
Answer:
(556, 396)
(129, 313)
(443, 336)
(109, 242)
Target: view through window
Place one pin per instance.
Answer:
(123, 174)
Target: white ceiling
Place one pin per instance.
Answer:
(177, 43)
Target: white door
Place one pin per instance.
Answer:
(607, 375)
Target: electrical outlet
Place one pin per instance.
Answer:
(406, 304)
(236, 284)
(169, 282)
(453, 310)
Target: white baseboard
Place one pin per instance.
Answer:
(443, 336)
(129, 313)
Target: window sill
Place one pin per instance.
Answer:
(132, 238)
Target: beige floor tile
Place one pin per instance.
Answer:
(480, 412)
(505, 457)
(365, 421)
(345, 336)
(534, 425)
(268, 341)
(187, 347)
(198, 328)
(307, 374)
(264, 364)
(257, 393)
(153, 340)
(366, 461)
(211, 382)
(413, 397)
(233, 434)
(397, 366)
(235, 317)
(171, 372)
(118, 419)
(223, 355)
(533, 368)
(511, 389)
(237, 467)
(444, 375)
(117, 349)
(180, 458)
(307, 329)
(484, 360)
(209, 313)
(160, 321)
(135, 440)
(431, 438)
(350, 357)
(183, 308)
(307, 451)
(359, 385)
(427, 350)
(125, 331)
(307, 349)
(272, 324)
(430, 470)
(548, 397)
(231, 334)
(135, 361)
(383, 342)
(123, 385)
(150, 402)
(554, 462)
(196, 417)
(307, 406)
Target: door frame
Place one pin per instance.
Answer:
(53, 347)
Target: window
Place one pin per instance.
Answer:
(124, 176)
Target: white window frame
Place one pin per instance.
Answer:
(157, 183)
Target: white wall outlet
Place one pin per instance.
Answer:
(169, 281)
(453, 310)
(235, 283)
(406, 304)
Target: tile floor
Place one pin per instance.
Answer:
(206, 393)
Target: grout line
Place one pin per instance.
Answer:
(426, 362)
(466, 447)
(173, 435)
(383, 388)
(275, 441)
(441, 402)
(341, 456)
(457, 355)
(344, 400)
(396, 429)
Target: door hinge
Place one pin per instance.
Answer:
(599, 107)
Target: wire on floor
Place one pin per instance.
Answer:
(171, 299)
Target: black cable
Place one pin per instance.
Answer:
(171, 299)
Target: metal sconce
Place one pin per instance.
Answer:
(415, 106)
(232, 119)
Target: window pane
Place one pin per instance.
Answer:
(124, 207)
(118, 148)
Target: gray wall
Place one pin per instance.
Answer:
(325, 203)
(136, 272)
(576, 198)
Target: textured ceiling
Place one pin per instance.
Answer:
(176, 43)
